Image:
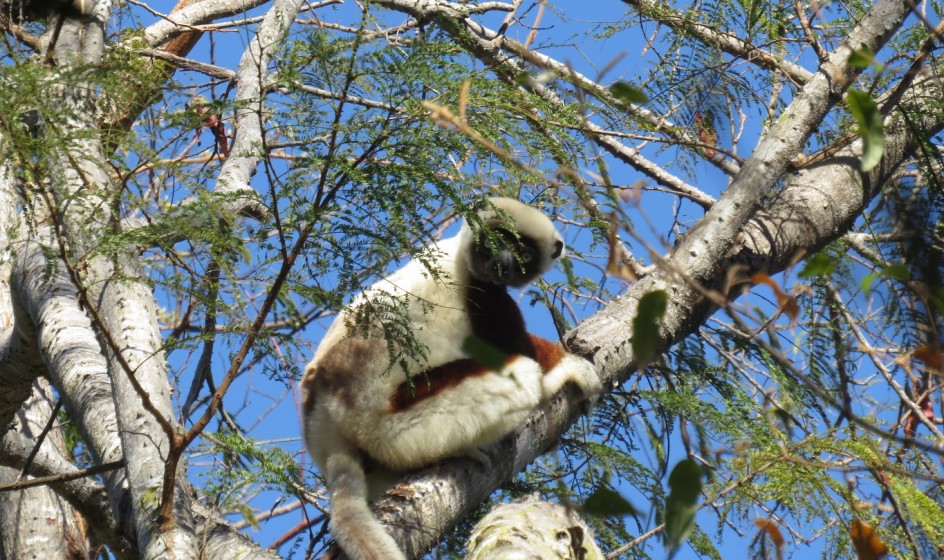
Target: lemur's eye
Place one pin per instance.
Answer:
(525, 257)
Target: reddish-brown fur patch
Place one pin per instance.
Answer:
(546, 353)
(433, 382)
(496, 319)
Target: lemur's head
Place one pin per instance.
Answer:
(513, 244)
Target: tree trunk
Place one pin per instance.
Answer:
(37, 523)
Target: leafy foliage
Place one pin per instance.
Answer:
(815, 423)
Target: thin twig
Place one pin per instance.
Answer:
(65, 477)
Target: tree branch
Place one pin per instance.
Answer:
(85, 494)
(194, 15)
(726, 42)
(434, 498)
(487, 45)
(20, 361)
(251, 76)
(23, 537)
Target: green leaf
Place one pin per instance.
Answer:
(646, 336)
(867, 281)
(483, 352)
(685, 482)
(606, 502)
(862, 58)
(627, 93)
(895, 271)
(937, 298)
(820, 264)
(753, 13)
(871, 127)
(248, 515)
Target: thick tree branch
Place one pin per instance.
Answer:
(35, 522)
(251, 77)
(821, 202)
(605, 337)
(131, 104)
(70, 351)
(49, 333)
(84, 494)
(225, 543)
(703, 246)
(112, 291)
(89, 497)
(20, 361)
(189, 18)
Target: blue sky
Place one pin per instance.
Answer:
(270, 408)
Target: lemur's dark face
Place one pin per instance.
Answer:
(504, 257)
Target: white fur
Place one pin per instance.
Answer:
(455, 422)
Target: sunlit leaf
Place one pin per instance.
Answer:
(820, 264)
(896, 271)
(646, 336)
(656, 442)
(627, 93)
(867, 544)
(685, 482)
(606, 502)
(248, 515)
(866, 283)
(755, 8)
(871, 127)
(862, 58)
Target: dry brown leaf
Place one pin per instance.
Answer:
(774, 533)
(785, 302)
(867, 544)
(931, 356)
(615, 265)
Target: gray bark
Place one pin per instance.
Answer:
(439, 496)
(122, 314)
(83, 493)
(94, 331)
(37, 523)
(20, 361)
(252, 76)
